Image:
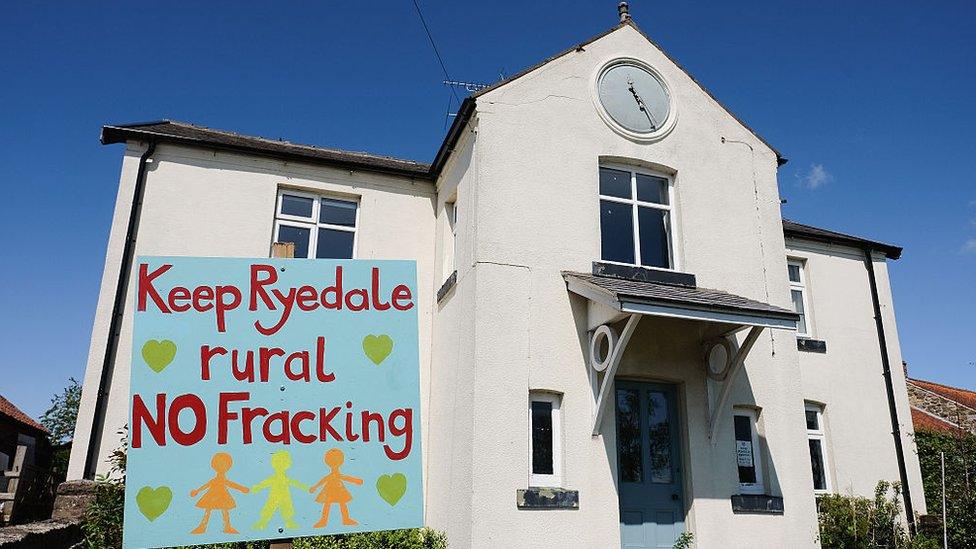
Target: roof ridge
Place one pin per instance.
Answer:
(970, 391)
(144, 127)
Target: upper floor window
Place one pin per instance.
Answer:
(320, 227)
(636, 217)
(798, 292)
(816, 439)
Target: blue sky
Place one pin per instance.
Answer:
(872, 104)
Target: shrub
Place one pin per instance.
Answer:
(850, 522)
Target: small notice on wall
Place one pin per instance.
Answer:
(743, 453)
(272, 399)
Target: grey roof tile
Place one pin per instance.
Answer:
(188, 134)
(667, 294)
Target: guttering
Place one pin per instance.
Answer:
(890, 387)
(118, 308)
(453, 135)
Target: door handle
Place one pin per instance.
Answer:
(674, 497)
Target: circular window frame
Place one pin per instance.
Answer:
(650, 137)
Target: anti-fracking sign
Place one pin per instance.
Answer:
(272, 398)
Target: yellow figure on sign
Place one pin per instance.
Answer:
(334, 489)
(279, 492)
(218, 494)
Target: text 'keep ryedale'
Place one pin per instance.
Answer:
(263, 294)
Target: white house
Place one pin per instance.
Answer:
(621, 338)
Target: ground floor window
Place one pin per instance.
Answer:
(748, 457)
(816, 439)
(545, 452)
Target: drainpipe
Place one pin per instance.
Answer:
(115, 326)
(890, 387)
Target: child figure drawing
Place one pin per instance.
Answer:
(279, 492)
(218, 494)
(334, 489)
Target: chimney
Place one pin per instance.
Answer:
(624, 11)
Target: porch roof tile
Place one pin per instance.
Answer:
(681, 296)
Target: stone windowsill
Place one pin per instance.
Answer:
(811, 345)
(757, 504)
(547, 498)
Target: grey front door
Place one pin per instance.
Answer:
(648, 465)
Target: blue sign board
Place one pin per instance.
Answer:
(272, 398)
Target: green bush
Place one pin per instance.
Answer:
(850, 522)
(960, 472)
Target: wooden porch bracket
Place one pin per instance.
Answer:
(741, 352)
(615, 355)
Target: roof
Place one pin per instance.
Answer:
(962, 396)
(671, 295)
(808, 232)
(8, 409)
(924, 421)
(182, 133)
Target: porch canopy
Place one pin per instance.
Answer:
(612, 299)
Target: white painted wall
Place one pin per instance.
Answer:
(539, 145)
(206, 203)
(848, 380)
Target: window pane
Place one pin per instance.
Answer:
(541, 438)
(652, 189)
(813, 422)
(801, 325)
(296, 205)
(794, 273)
(296, 235)
(653, 224)
(659, 437)
(338, 212)
(615, 183)
(334, 244)
(629, 436)
(744, 452)
(617, 232)
(817, 463)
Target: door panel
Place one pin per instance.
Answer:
(648, 465)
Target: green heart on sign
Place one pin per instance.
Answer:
(377, 348)
(391, 487)
(153, 502)
(158, 354)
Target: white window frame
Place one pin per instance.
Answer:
(312, 223)
(555, 479)
(452, 212)
(821, 435)
(634, 203)
(801, 287)
(759, 487)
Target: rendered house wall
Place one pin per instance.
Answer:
(847, 380)
(541, 142)
(205, 203)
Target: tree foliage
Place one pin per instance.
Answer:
(960, 473)
(61, 416)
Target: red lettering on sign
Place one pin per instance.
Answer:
(156, 425)
(146, 287)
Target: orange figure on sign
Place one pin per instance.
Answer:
(334, 489)
(218, 494)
